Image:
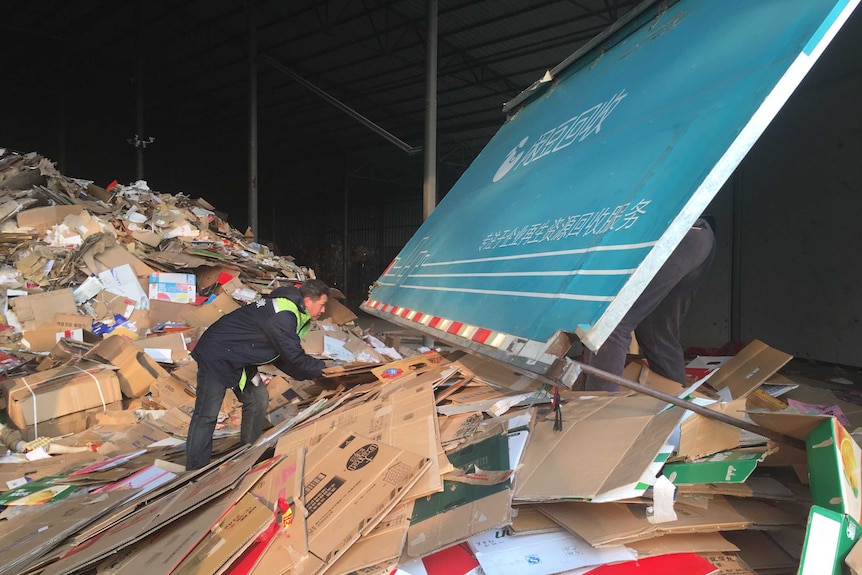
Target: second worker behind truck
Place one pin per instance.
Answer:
(656, 316)
(229, 351)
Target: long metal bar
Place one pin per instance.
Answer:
(691, 406)
(253, 211)
(342, 106)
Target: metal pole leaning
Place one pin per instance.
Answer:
(691, 406)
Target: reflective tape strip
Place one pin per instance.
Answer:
(484, 336)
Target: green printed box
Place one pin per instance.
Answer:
(834, 468)
(829, 538)
(732, 466)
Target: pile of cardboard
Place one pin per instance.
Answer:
(448, 463)
(437, 462)
(105, 291)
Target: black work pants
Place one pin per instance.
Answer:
(209, 396)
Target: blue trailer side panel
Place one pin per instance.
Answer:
(576, 202)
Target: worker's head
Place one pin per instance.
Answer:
(314, 294)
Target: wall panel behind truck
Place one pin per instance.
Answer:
(799, 193)
(802, 215)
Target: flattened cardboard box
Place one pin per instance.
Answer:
(732, 466)
(351, 483)
(620, 523)
(168, 348)
(288, 550)
(384, 544)
(49, 394)
(234, 532)
(158, 513)
(402, 415)
(607, 442)
(462, 510)
(41, 531)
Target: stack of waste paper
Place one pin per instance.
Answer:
(399, 460)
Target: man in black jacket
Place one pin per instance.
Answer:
(228, 353)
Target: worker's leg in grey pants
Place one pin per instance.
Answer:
(658, 333)
(209, 395)
(254, 400)
(657, 315)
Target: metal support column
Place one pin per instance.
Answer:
(139, 90)
(345, 247)
(252, 119)
(429, 191)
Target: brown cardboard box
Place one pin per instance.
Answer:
(168, 311)
(70, 423)
(136, 370)
(65, 325)
(276, 388)
(118, 255)
(208, 275)
(49, 394)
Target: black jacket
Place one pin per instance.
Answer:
(253, 335)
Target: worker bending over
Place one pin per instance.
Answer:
(265, 331)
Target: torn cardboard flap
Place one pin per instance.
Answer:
(135, 370)
(747, 370)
